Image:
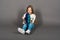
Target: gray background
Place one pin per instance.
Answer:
(50, 9)
(47, 11)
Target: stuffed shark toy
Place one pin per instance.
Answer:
(27, 19)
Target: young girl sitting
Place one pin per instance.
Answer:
(28, 21)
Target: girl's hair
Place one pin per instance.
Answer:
(30, 6)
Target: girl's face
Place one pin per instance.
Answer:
(29, 10)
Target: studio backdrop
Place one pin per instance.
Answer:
(47, 11)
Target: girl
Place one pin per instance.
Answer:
(28, 21)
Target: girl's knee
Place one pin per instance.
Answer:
(31, 24)
(24, 26)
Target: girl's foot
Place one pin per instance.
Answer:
(22, 31)
(28, 31)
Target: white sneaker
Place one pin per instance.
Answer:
(21, 30)
(28, 31)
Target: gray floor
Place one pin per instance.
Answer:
(43, 32)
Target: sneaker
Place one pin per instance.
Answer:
(20, 30)
(28, 31)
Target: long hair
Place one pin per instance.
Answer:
(30, 6)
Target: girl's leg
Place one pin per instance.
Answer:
(22, 30)
(31, 26)
(24, 27)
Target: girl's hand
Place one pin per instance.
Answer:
(23, 18)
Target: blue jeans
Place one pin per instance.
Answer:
(30, 26)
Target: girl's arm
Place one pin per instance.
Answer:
(23, 17)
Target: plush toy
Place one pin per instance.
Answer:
(27, 18)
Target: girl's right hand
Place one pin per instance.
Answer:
(23, 18)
